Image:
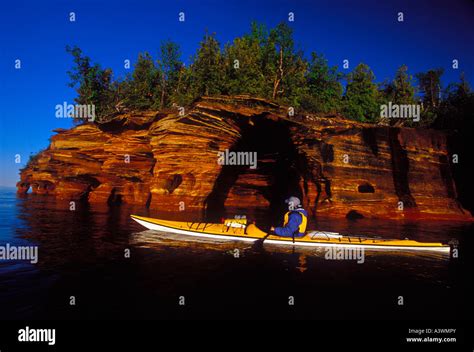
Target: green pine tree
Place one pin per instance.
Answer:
(324, 90)
(243, 71)
(361, 100)
(287, 67)
(430, 86)
(207, 68)
(455, 111)
(144, 84)
(170, 72)
(402, 89)
(93, 84)
(399, 91)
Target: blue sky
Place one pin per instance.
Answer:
(36, 32)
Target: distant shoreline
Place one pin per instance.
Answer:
(10, 187)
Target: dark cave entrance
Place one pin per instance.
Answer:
(276, 176)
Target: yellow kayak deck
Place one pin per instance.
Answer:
(251, 233)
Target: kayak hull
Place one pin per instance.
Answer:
(252, 233)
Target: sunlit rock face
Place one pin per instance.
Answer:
(172, 161)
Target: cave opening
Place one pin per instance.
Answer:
(354, 215)
(264, 188)
(366, 188)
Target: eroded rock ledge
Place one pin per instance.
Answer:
(169, 162)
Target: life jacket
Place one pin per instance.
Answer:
(304, 220)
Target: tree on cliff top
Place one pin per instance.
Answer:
(207, 69)
(401, 90)
(264, 63)
(323, 87)
(288, 66)
(429, 83)
(170, 70)
(142, 91)
(361, 101)
(93, 84)
(430, 86)
(244, 64)
(455, 111)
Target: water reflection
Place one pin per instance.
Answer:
(92, 233)
(82, 252)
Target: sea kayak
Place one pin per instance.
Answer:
(239, 230)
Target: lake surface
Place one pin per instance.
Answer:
(82, 253)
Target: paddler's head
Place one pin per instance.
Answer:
(293, 203)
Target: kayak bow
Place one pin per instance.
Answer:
(238, 231)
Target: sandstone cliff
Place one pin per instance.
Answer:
(169, 162)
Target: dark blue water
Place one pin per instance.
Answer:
(82, 254)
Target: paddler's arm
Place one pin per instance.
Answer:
(287, 231)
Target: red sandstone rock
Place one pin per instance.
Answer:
(169, 162)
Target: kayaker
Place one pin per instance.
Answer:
(295, 220)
